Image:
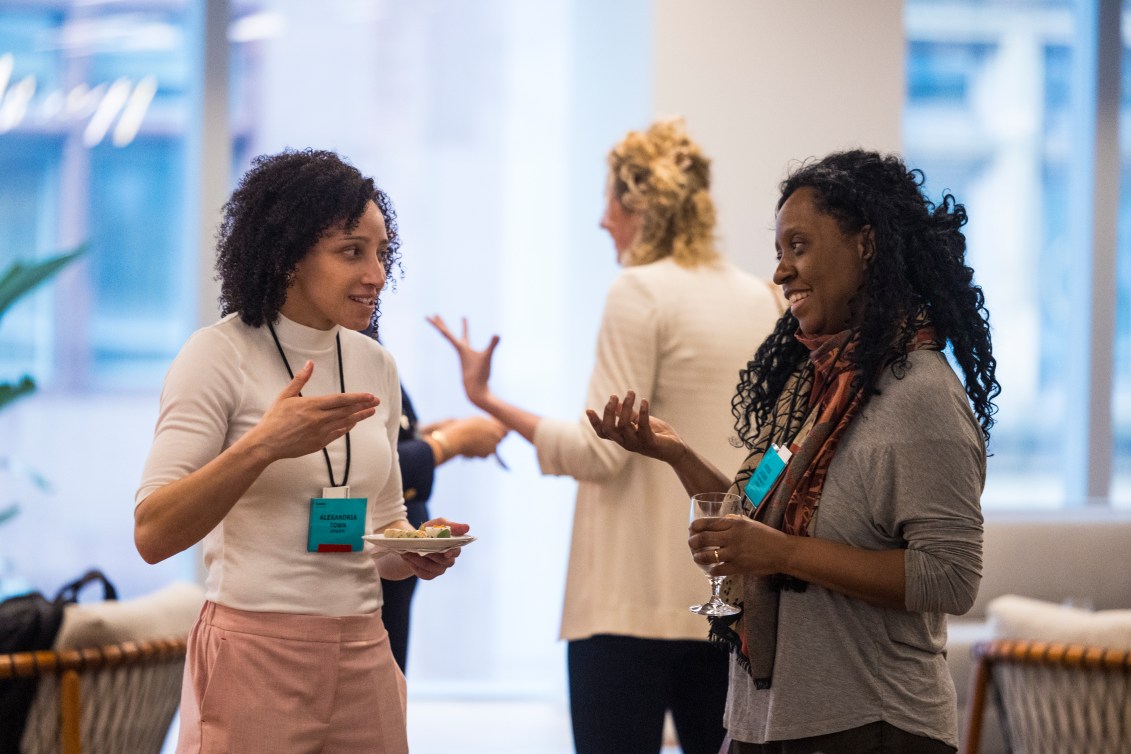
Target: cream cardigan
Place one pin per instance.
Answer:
(677, 337)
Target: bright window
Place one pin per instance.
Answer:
(991, 87)
(94, 133)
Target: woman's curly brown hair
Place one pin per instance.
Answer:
(281, 208)
(663, 174)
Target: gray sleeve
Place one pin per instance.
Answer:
(925, 488)
(943, 567)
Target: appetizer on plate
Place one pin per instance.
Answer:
(434, 532)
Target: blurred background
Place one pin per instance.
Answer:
(125, 123)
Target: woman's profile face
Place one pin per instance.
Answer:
(338, 280)
(820, 267)
(622, 224)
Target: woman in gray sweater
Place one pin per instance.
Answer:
(862, 525)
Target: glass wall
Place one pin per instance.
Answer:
(991, 95)
(92, 146)
(94, 132)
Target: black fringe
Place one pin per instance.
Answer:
(783, 583)
(723, 636)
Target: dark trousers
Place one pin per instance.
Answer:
(398, 598)
(876, 738)
(621, 686)
(395, 615)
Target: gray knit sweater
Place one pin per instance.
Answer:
(908, 474)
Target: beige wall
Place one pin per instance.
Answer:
(764, 82)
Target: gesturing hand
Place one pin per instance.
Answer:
(637, 432)
(475, 436)
(475, 366)
(297, 425)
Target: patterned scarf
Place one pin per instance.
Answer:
(811, 428)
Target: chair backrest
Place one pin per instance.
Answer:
(102, 700)
(1054, 697)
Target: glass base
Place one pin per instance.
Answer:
(714, 609)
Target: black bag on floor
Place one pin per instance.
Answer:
(29, 623)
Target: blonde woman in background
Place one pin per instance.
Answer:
(679, 323)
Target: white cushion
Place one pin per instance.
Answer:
(168, 612)
(1015, 617)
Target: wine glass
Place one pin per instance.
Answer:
(713, 505)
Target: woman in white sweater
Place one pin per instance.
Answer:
(276, 448)
(679, 323)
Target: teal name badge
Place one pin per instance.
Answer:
(768, 471)
(336, 524)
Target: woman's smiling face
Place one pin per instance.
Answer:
(820, 267)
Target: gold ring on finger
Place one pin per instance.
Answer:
(716, 551)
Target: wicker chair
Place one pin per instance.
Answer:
(105, 700)
(1052, 697)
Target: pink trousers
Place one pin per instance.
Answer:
(291, 684)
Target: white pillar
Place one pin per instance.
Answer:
(763, 83)
(1095, 197)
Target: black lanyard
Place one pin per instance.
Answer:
(341, 382)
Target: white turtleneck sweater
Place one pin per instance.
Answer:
(219, 386)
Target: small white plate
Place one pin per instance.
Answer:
(418, 544)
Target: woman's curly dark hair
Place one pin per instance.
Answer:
(281, 208)
(917, 266)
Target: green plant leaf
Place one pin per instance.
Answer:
(9, 512)
(22, 277)
(17, 280)
(10, 392)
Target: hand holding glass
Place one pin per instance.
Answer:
(713, 505)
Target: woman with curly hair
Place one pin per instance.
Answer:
(669, 329)
(275, 447)
(863, 526)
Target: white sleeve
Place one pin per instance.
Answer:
(627, 355)
(198, 399)
(389, 505)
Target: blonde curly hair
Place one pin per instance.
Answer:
(663, 174)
